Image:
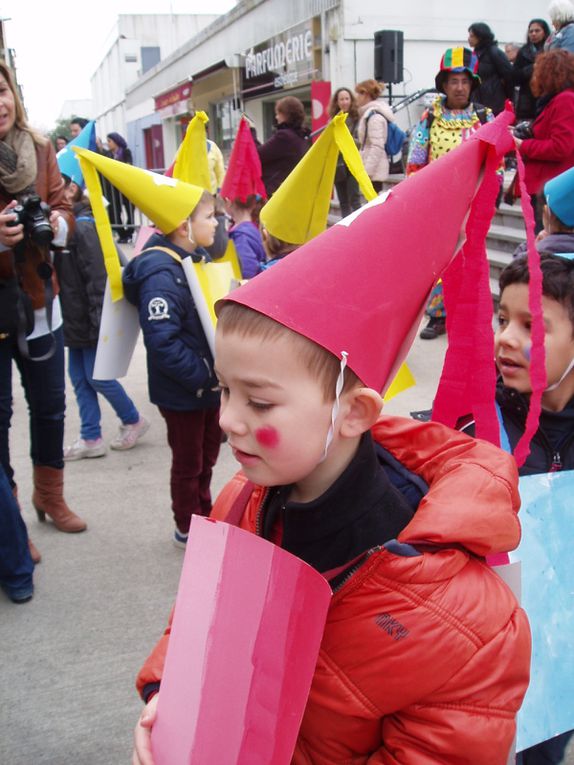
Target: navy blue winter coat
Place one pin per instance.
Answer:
(179, 362)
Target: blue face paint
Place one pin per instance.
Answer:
(527, 351)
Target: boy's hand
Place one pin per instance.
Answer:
(142, 735)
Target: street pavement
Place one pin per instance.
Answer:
(70, 656)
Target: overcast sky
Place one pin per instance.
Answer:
(59, 45)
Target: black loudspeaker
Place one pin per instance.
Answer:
(389, 55)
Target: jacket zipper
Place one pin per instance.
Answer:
(356, 567)
(259, 516)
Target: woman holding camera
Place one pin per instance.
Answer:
(28, 166)
(549, 150)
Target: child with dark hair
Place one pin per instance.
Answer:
(552, 447)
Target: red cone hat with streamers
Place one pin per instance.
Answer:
(362, 285)
(243, 176)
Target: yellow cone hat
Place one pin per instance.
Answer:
(299, 209)
(165, 201)
(191, 163)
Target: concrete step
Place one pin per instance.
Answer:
(498, 259)
(509, 215)
(504, 238)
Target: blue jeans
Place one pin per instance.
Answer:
(16, 565)
(81, 370)
(44, 388)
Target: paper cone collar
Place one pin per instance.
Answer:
(362, 286)
(298, 211)
(165, 201)
(243, 176)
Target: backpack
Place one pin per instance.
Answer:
(395, 139)
(395, 136)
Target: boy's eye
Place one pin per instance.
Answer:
(261, 406)
(502, 321)
(223, 390)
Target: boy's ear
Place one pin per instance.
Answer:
(362, 409)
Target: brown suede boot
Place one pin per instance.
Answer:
(48, 499)
(34, 552)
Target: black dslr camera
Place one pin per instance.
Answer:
(34, 215)
(523, 130)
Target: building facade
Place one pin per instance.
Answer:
(264, 49)
(136, 45)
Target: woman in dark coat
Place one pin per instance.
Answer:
(120, 151)
(538, 33)
(284, 149)
(494, 68)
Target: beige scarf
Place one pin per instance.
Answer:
(18, 166)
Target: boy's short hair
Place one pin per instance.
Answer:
(557, 279)
(277, 248)
(323, 365)
(206, 197)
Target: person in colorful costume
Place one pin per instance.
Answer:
(425, 654)
(449, 121)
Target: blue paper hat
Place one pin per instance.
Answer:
(559, 194)
(68, 159)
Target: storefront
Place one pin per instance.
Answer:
(173, 109)
(289, 63)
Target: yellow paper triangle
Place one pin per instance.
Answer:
(165, 201)
(104, 229)
(403, 379)
(191, 164)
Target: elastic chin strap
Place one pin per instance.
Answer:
(336, 404)
(190, 233)
(566, 372)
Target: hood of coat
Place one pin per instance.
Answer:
(473, 501)
(378, 106)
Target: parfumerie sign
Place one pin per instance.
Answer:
(283, 61)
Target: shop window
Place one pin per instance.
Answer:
(225, 125)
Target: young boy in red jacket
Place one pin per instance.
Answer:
(425, 654)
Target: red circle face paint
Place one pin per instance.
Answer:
(268, 437)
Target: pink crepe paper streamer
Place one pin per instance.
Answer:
(468, 379)
(537, 353)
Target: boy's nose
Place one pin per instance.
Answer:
(508, 337)
(228, 420)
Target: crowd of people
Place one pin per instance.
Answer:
(277, 372)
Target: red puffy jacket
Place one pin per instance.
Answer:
(551, 150)
(424, 659)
